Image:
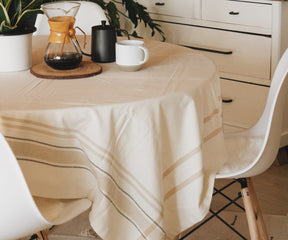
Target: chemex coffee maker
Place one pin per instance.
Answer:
(63, 51)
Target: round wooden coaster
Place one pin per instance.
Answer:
(86, 69)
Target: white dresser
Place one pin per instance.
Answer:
(245, 38)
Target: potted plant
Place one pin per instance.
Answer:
(17, 19)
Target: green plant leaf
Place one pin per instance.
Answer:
(5, 28)
(26, 15)
(2, 26)
(13, 8)
(4, 17)
(4, 2)
(132, 10)
(113, 15)
(28, 4)
(138, 13)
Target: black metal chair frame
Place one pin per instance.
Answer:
(243, 184)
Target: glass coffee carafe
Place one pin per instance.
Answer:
(63, 51)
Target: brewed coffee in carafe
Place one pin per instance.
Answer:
(63, 51)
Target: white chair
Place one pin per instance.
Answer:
(22, 215)
(252, 151)
(90, 14)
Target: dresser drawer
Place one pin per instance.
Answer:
(248, 103)
(175, 8)
(238, 12)
(234, 53)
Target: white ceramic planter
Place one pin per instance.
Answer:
(15, 52)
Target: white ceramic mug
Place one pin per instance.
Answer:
(131, 54)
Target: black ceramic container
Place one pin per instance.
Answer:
(103, 43)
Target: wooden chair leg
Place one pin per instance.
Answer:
(259, 217)
(251, 217)
(42, 235)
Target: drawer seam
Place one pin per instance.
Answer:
(220, 29)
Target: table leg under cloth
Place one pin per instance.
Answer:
(148, 167)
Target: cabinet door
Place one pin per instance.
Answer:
(248, 103)
(233, 52)
(176, 8)
(238, 12)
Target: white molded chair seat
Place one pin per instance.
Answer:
(252, 151)
(242, 151)
(22, 215)
(90, 14)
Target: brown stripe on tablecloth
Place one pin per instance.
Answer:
(64, 135)
(215, 112)
(123, 192)
(54, 165)
(183, 184)
(212, 134)
(99, 168)
(49, 133)
(83, 144)
(50, 127)
(131, 183)
(126, 205)
(40, 143)
(41, 150)
(181, 161)
(135, 180)
(194, 176)
(190, 154)
(131, 179)
(151, 228)
(158, 206)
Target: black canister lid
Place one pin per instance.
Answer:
(103, 26)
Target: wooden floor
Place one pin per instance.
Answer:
(272, 192)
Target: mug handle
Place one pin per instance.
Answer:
(146, 55)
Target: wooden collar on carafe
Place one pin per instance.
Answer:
(61, 29)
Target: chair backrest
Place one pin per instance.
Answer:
(17, 207)
(89, 15)
(270, 123)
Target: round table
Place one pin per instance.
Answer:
(143, 146)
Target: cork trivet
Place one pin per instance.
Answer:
(86, 69)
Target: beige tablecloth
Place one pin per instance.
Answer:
(143, 146)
